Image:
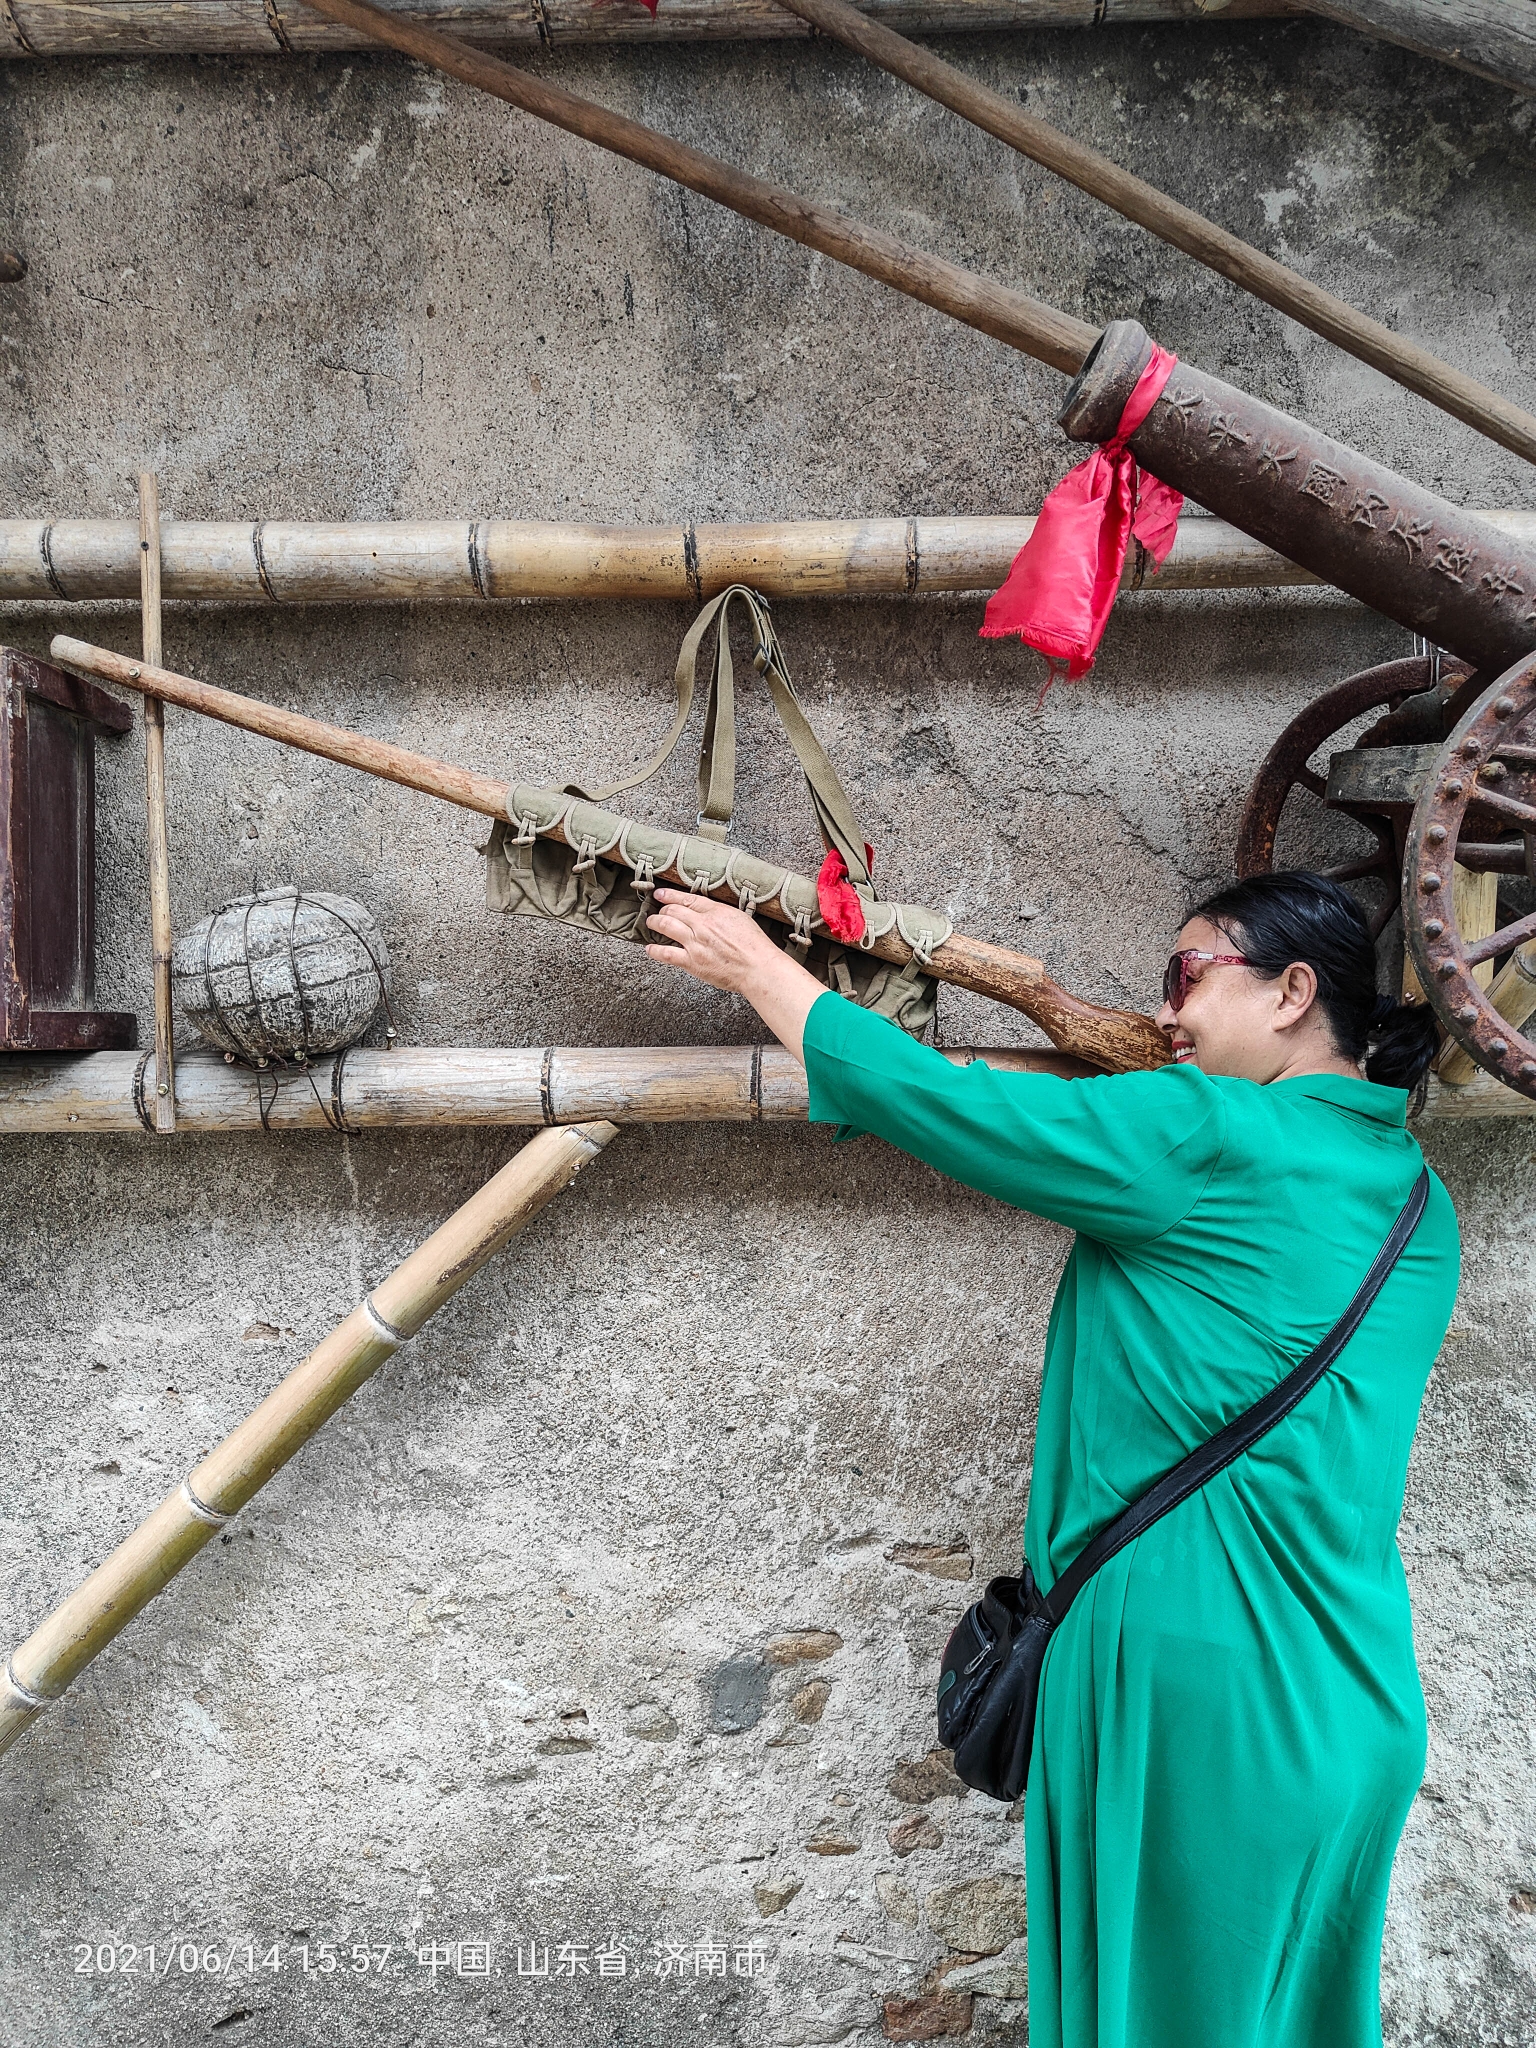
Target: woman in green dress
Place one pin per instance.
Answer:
(1230, 1727)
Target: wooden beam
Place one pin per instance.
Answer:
(261, 562)
(133, 28)
(1493, 39)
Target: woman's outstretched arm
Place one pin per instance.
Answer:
(1121, 1156)
(728, 950)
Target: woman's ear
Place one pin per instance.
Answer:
(1298, 992)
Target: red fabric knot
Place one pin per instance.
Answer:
(842, 908)
(1062, 586)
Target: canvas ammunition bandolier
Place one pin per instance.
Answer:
(532, 876)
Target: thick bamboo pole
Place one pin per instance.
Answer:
(448, 1087)
(429, 561)
(1114, 1039)
(1013, 317)
(281, 562)
(438, 1087)
(58, 1650)
(130, 28)
(154, 778)
(1287, 290)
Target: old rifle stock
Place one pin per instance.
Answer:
(1114, 1039)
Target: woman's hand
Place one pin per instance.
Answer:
(728, 950)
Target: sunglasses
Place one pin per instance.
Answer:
(1181, 973)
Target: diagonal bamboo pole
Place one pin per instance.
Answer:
(154, 779)
(1278, 286)
(56, 1652)
(1024, 323)
(1114, 1039)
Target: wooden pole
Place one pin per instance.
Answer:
(1013, 317)
(445, 1087)
(137, 28)
(1114, 1039)
(1285, 289)
(1493, 39)
(269, 561)
(56, 1652)
(154, 775)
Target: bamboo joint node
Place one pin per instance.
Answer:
(384, 1329)
(214, 1517)
(35, 1700)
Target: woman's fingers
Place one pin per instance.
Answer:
(711, 940)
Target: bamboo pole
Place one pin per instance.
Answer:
(57, 1651)
(262, 562)
(1114, 1039)
(1511, 426)
(154, 777)
(438, 1087)
(132, 28)
(418, 1088)
(981, 302)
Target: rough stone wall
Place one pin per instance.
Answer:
(610, 1611)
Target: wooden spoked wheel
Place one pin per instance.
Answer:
(1489, 760)
(1287, 768)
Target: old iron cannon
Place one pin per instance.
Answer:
(1446, 777)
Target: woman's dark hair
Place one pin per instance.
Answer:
(1280, 918)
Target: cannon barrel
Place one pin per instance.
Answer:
(1444, 573)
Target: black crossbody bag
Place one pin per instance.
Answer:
(989, 1680)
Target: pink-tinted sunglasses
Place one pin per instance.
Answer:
(1179, 976)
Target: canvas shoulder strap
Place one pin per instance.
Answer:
(1202, 1465)
(717, 752)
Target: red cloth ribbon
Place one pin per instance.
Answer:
(841, 906)
(1062, 586)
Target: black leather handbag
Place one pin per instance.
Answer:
(989, 1680)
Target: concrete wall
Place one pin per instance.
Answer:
(589, 1620)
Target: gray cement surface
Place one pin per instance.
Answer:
(608, 1614)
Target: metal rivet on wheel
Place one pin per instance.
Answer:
(1471, 745)
(1453, 788)
(1467, 1014)
(1498, 1050)
(1433, 928)
(1435, 835)
(1504, 707)
(1429, 883)
(1446, 970)
(1528, 1070)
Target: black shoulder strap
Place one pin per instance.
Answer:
(1191, 1473)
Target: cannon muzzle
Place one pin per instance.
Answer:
(1446, 574)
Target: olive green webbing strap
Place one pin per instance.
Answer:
(717, 752)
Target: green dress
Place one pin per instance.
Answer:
(1231, 1727)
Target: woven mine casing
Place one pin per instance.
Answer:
(283, 975)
